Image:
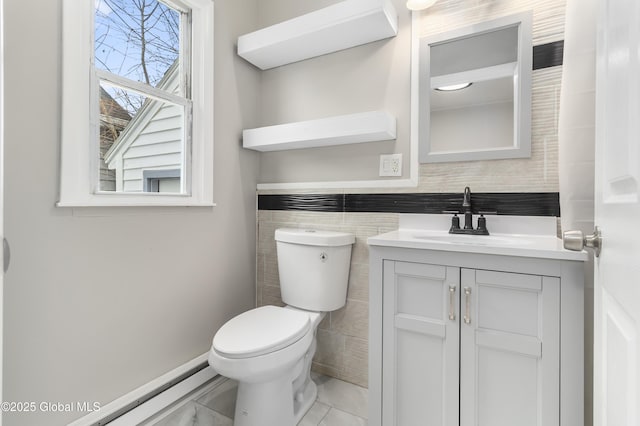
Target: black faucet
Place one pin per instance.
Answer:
(466, 209)
(468, 218)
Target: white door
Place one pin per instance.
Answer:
(1, 183)
(617, 213)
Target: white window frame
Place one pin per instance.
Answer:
(80, 118)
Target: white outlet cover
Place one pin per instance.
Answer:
(391, 165)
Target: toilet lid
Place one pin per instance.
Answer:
(260, 331)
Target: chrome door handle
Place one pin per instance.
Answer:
(452, 303)
(467, 315)
(576, 241)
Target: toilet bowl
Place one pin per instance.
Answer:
(272, 369)
(269, 349)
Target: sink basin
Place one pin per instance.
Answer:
(472, 239)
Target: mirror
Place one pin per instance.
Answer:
(475, 92)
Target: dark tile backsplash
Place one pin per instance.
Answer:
(510, 203)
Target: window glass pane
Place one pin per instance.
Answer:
(169, 185)
(136, 39)
(139, 135)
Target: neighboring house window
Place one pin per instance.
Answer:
(137, 102)
(161, 180)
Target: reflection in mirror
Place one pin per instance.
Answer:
(486, 107)
(475, 92)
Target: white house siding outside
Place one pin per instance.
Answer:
(157, 147)
(153, 140)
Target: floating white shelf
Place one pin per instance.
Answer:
(340, 26)
(339, 130)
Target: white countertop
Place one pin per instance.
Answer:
(536, 237)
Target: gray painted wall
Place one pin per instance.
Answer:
(100, 301)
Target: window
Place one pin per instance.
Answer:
(137, 112)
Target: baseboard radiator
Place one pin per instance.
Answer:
(149, 399)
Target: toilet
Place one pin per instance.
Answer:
(268, 350)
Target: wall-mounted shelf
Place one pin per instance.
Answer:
(340, 26)
(338, 130)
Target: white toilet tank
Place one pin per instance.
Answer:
(314, 268)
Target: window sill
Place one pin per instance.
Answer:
(135, 200)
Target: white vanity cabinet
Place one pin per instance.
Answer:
(474, 339)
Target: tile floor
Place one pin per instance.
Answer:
(338, 404)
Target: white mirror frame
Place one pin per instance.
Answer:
(78, 124)
(521, 147)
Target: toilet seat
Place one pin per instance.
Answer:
(261, 331)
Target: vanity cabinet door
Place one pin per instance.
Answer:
(420, 345)
(510, 349)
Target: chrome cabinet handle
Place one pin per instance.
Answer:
(452, 303)
(467, 315)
